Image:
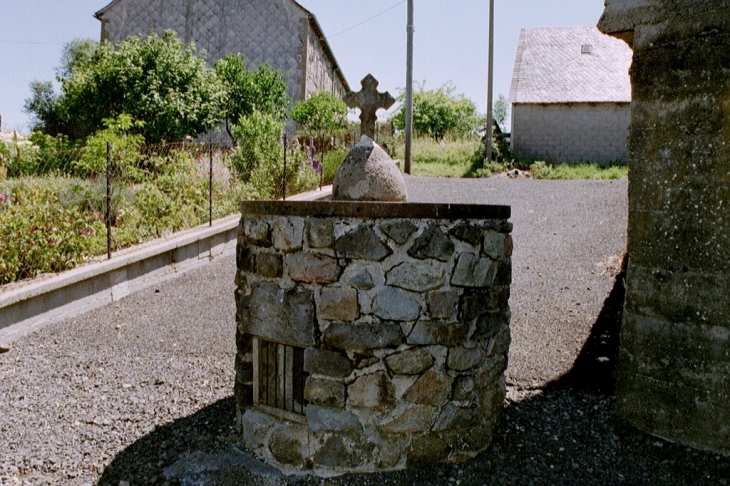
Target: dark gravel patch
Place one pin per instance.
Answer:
(139, 391)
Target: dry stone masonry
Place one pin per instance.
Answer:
(400, 313)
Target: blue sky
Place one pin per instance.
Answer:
(450, 41)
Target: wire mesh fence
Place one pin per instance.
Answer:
(63, 203)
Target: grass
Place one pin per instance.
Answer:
(544, 170)
(452, 158)
(459, 158)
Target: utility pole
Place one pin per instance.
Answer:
(409, 89)
(490, 83)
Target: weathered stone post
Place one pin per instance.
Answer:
(674, 368)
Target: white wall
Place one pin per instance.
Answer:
(590, 132)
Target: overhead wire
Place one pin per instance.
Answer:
(367, 20)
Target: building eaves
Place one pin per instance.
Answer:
(101, 12)
(325, 45)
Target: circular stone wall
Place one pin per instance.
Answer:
(399, 315)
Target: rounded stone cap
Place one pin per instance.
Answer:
(368, 174)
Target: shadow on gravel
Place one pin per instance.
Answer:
(565, 434)
(595, 366)
(208, 431)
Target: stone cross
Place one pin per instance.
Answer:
(369, 101)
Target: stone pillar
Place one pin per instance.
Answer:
(674, 368)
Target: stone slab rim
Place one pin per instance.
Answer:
(375, 209)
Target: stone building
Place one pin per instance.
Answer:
(279, 32)
(570, 96)
(673, 377)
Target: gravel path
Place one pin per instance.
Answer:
(139, 391)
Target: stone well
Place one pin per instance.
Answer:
(370, 336)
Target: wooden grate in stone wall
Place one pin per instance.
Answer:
(279, 379)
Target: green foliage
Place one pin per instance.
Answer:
(500, 110)
(331, 161)
(124, 152)
(445, 158)
(545, 170)
(247, 91)
(440, 112)
(156, 80)
(259, 158)
(75, 55)
(259, 152)
(322, 113)
(46, 109)
(40, 236)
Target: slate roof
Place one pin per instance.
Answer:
(550, 67)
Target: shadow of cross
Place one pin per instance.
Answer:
(369, 101)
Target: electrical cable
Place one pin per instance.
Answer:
(368, 20)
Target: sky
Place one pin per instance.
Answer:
(367, 36)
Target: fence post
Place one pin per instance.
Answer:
(284, 183)
(108, 201)
(210, 188)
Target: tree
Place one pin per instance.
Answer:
(262, 90)
(499, 112)
(323, 112)
(45, 109)
(156, 80)
(439, 112)
(76, 54)
(45, 106)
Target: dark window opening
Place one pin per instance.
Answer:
(280, 379)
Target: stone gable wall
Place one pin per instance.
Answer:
(592, 132)
(272, 31)
(405, 322)
(674, 366)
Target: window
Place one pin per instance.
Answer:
(279, 379)
(586, 49)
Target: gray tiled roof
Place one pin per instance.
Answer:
(550, 67)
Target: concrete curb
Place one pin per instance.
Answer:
(28, 307)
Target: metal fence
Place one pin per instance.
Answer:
(62, 204)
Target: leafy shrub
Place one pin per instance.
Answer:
(322, 113)
(44, 238)
(258, 159)
(125, 150)
(247, 91)
(157, 80)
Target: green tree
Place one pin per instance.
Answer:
(439, 112)
(45, 109)
(499, 111)
(262, 90)
(156, 80)
(323, 112)
(76, 54)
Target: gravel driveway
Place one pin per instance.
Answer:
(139, 391)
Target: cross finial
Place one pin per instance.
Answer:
(369, 101)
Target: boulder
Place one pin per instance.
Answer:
(368, 174)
